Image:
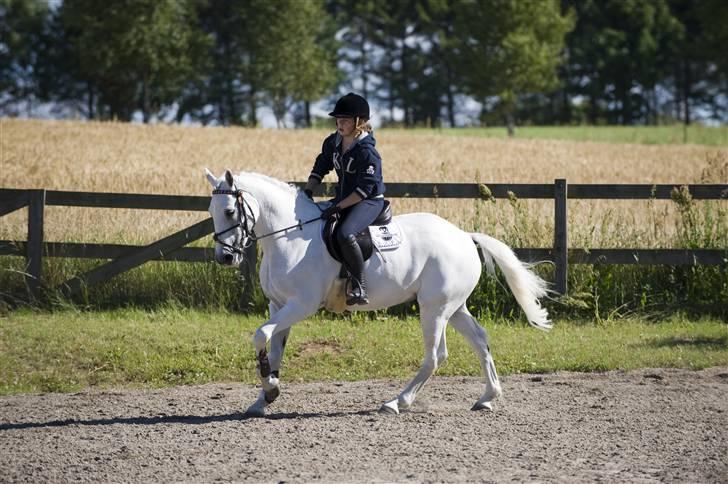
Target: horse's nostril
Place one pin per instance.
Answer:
(228, 258)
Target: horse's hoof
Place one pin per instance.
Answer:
(482, 406)
(389, 408)
(255, 411)
(271, 395)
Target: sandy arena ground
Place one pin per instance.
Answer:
(645, 426)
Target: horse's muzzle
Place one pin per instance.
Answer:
(225, 257)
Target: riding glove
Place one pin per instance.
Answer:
(330, 212)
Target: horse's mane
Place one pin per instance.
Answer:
(247, 175)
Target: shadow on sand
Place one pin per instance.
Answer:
(177, 419)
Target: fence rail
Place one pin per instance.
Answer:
(394, 190)
(171, 248)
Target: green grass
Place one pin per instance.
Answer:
(69, 350)
(674, 134)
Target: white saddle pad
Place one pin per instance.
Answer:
(386, 237)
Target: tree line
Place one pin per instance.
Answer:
(420, 62)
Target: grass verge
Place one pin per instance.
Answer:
(70, 350)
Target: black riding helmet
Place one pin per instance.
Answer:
(351, 106)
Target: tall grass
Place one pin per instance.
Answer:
(165, 159)
(669, 134)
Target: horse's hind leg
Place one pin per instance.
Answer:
(468, 326)
(433, 322)
(442, 349)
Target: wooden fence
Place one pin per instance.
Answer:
(122, 258)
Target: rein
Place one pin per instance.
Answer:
(248, 234)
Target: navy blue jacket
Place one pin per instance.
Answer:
(359, 169)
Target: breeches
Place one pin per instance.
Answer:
(359, 217)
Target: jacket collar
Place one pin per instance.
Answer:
(340, 138)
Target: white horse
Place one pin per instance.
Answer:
(438, 265)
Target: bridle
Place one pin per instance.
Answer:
(241, 205)
(249, 235)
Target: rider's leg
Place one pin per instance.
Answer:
(356, 219)
(355, 263)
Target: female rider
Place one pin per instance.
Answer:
(359, 197)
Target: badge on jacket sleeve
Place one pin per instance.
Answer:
(370, 170)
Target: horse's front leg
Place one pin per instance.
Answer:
(276, 331)
(277, 348)
(271, 383)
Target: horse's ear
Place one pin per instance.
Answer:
(229, 178)
(211, 178)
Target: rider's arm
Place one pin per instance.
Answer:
(369, 174)
(323, 165)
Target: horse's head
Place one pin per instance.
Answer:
(234, 212)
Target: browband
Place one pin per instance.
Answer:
(226, 192)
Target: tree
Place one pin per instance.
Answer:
(400, 31)
(356, 50)
(22, 27)
(137, 54)
(262, 51)
(714, 18)
(292, 62)
(221, 94)
(444, 42)
(618, 53)
(509, 48)
(699, 61)
(713, 15)
(399, 53)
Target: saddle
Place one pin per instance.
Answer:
(363, 238)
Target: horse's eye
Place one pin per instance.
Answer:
(229, 212)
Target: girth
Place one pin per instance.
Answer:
(363, 238)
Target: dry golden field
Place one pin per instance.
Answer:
(163, 159)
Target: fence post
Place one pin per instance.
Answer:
(561, 262)
(248, 270)
(34, 249)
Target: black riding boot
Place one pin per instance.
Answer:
(357, 293)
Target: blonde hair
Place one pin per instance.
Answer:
(361, 125)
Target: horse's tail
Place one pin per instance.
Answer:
(527, 287)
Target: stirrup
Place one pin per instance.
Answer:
(356, 295)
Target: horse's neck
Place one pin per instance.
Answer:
(277, 205)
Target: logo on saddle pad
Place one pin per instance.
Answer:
(386, 237)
